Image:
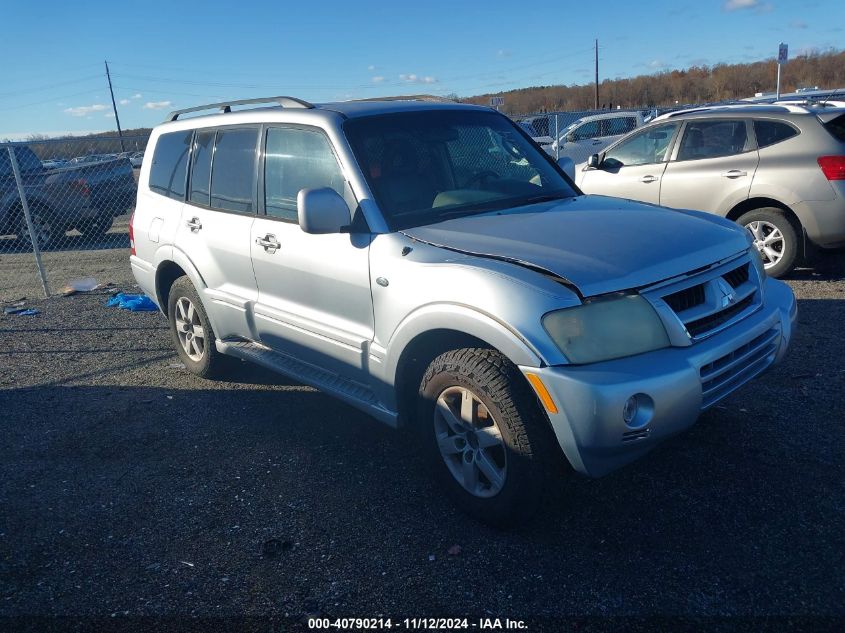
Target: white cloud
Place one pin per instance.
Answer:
(736, 5)
(85, 110)
(798, 24)
(371, 67)
(417, 79)
(124, 102)
(378, 79)
(503, 52)
(157, 105)
(137, 95)
(109, 115)
(656, 64)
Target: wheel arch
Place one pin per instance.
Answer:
(761, 202)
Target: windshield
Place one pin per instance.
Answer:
(424, 167)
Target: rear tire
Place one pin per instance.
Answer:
(192, 333)
(496, 461)
(775, 237)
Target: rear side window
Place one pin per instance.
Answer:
(621, 125)
(837, 128)
(712, 139)
(296, 159)
(201, 168)
(170, 164)
(771, 132)
(233, 170)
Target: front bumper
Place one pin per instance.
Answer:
(675, 384)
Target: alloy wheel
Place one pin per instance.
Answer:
(769, 241)
(470, 442)
(189, 329)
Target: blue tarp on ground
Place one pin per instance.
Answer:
(136, 303)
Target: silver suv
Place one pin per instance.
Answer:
(778, 170)
(430, 265)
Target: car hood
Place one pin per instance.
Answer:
(596, 243)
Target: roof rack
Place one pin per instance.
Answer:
(432, 98)
(226, 106)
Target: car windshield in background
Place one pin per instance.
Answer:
(423, 167)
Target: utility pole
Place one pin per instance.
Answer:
(597, 75)
(114, 107)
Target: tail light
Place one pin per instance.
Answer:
(833, 167)
(82, 186)
(132, 233)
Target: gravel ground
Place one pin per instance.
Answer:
(132, 489)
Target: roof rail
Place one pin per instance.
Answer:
(432, 98)
(226, 106)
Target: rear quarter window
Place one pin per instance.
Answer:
(771, 132)
(170, 164)
(836, 127)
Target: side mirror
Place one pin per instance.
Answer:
(567, 165)
(321, 211)
(594, 161)
(570, 138)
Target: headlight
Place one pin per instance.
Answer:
(606, 328)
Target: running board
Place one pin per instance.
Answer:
(353, 393)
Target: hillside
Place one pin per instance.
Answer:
(698, 84)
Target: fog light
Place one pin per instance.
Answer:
(629, 411)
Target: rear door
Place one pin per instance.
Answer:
(713, 166)
(314, 298)
(633, 168)
(217, 220)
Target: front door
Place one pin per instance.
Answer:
(634, 167)
(314, 300)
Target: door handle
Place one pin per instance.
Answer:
(268, 243)
(194, 224)
(734, 173)
(648, 179)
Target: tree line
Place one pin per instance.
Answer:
(694, 85)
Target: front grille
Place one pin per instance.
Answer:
(708, 301)
(722, 376)
(712, 321)
(737, 276)
(686, 298)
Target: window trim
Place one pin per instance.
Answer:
(262, 189)
(749, 134)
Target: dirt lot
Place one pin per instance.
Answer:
(130, 488)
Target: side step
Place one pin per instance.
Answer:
(353, 393)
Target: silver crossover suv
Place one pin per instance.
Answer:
(778, 170)
(430, 265)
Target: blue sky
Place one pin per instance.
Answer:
(165, 55)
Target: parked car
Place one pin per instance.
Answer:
(425, 263)
(53, 163)
(55, 204)
(136, 159)
(779, 171)
(529, 129)
(591, 134)
(112, 186)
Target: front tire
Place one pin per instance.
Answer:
(44, 230)
(191, 331)
(96, 227)
(484, 435)
(775, 237)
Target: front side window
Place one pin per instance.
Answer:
(620, 125)
(771, 132)
(233, 170)
(425, 166)
(644, 148)
(296, 159)
(170, 164)
(712, 139)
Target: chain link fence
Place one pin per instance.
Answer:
(64, 212)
